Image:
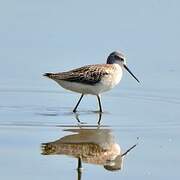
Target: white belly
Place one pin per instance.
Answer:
(107, 82)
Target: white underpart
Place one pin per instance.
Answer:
(107, 82)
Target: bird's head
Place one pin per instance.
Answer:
(118, 58)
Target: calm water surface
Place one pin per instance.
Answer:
(43, 140)
(40, 137)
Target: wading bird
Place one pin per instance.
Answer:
(93, 79)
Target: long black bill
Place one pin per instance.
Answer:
(131, 73)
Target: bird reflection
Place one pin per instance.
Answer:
(98, 122)
(95, 146)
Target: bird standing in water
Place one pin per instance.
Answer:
(93, 79)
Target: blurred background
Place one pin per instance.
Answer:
(40, 36)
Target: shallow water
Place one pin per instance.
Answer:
(30, 118)
(38, 37)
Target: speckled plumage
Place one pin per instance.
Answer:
(95, 146)
(90, 74)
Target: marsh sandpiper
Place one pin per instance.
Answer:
(93, 79)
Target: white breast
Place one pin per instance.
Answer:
(112, 79)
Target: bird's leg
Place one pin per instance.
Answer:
(79, 169)
(77, 117)
(74, 110)
(99, 120)
(79, 163)
(99, 101)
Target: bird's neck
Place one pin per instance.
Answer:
(118, 65)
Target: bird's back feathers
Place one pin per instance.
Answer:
(90, 74)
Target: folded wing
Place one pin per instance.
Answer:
(90, 74)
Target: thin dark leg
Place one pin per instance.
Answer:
(74, 110)
(79, 163)
(100, 115)
(79, 169)
(99, 101)
(77, 117)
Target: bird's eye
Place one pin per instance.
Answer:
(118, 58)
(122, 59)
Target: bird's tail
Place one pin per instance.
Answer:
(49, 75)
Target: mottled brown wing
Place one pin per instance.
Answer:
(91, 74)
